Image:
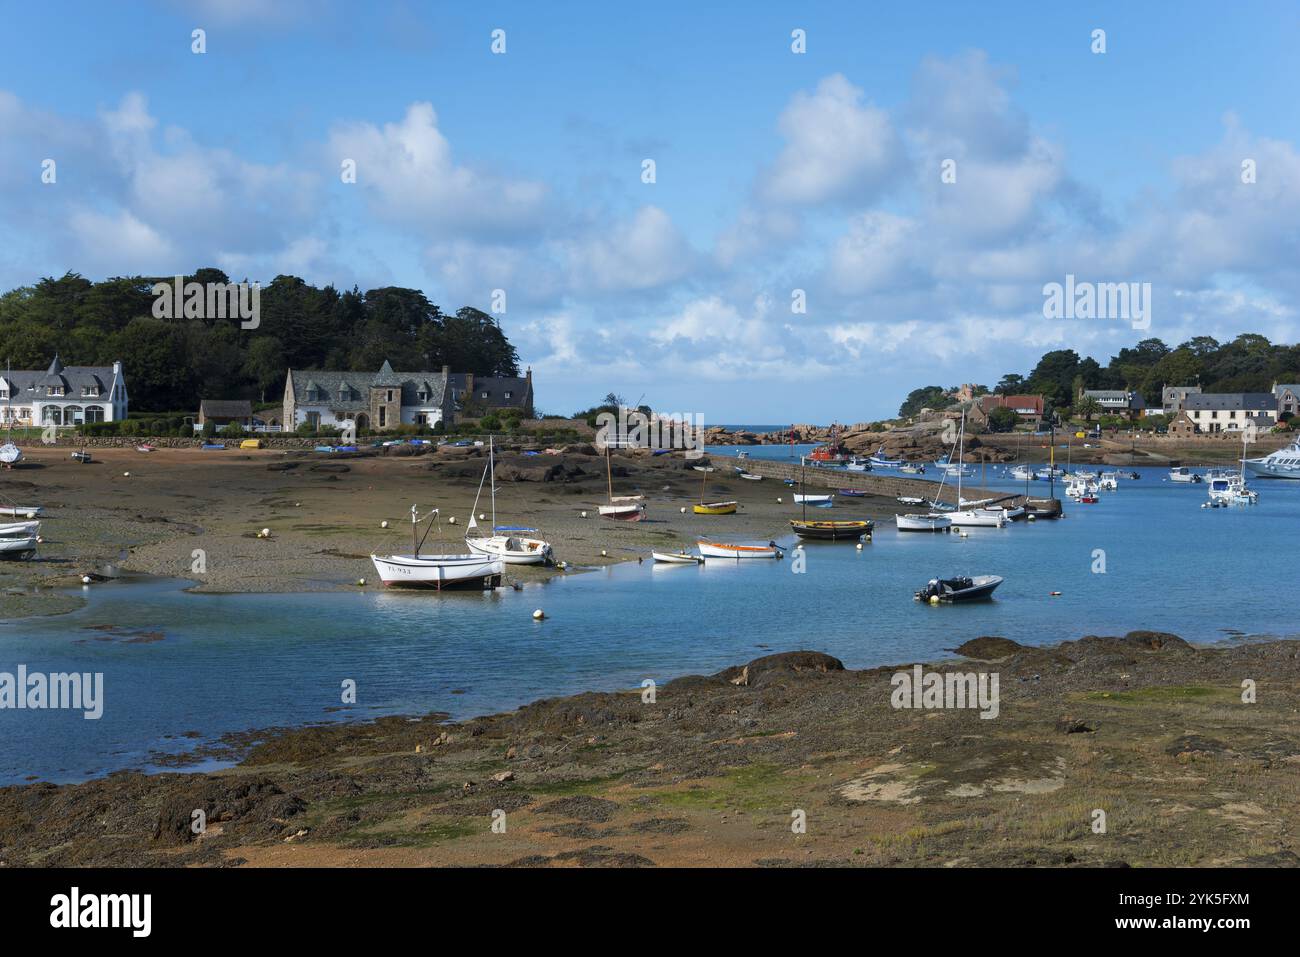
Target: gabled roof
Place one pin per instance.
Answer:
(496, 387)
(225, 408)
(331, 383)
(74, 380)
(1231, 401)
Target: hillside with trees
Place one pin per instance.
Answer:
(172, 363)
(1249, 363)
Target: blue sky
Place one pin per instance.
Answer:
(775, 172)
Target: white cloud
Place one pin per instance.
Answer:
(407, 172)
(838, 147)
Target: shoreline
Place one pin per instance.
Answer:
(716, 762)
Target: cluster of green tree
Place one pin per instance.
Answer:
(611, 403)
(1249, 363)
(172, 363)
(931, 397)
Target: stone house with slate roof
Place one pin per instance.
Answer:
(483, 394)
(63, 395)
(379, 401)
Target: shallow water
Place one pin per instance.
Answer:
(227, 663)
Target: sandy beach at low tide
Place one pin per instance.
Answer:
(325, 514)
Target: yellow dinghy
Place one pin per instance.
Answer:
(715, 508)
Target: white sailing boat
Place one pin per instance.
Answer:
(932, 521)
(624, 508)
(972, 517)
(438, 572)
(510, 543)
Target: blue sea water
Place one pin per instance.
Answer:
(237, 662)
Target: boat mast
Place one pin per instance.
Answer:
(415, 545)
(609, 474)
(492, 477)
(961, 454)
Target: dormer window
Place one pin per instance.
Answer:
(482, 395)
(508, 394)
(55, 390)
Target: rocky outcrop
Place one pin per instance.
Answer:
(785, 662)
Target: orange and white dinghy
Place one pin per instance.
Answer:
(736, 550)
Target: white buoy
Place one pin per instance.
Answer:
(583, 514)
(297, 504)
(383, 524)
(361, 582)
(683, 509)
(452, 520)
(538, 615)
(482, 517)
(266, 533)
(85, 579)
(603, 553)
(778, 500)
(859, 546)
(126, 475)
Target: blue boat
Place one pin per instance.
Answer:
(877, 462)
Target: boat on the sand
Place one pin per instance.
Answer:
(437, 572)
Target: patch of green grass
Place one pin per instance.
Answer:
(424, 835)
(577, 785)
(753, 787)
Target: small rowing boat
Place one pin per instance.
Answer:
(923, 522)
(832, 531)
(823, 500)
(714, 508)
(735, 550)
(677, 558)
(750, 476)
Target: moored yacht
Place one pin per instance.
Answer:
(1282, 464)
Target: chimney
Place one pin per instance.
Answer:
(117, 367)
(446, 370)
(528, 374)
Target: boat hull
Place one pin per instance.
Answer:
(439, 572)
(923, 523)
(832, 531)
(978, 518)
(18, 548)
(715, 508)
(728, 550)
(676, 558)
(952, 591)
(20, 511)
(512, 549)
(622, 513)
(10, 454)
(1043, 508)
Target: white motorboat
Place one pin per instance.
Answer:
(1080, 488)
(912, 468)
(438, 572)
(510, 543)
(1282, 464)
(910, 500)
(1109, 481)
(1022, 472)
(857, 464)
(19, 529)
(1047, 474)
(10, 454)
(677, 558)
(750, 476)
(879, 461)
(923, 522)
(1183, 474)
(737, 550)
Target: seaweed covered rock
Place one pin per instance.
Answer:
(787, 662)
(988, 647)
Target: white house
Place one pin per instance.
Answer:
(1230, 411)
(63, 395)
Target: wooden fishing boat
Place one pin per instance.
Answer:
(677, 558)
(979, 588)
(923, 522)
(436, 572)
(1043, 507)
(832, 531)
(734, 550)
